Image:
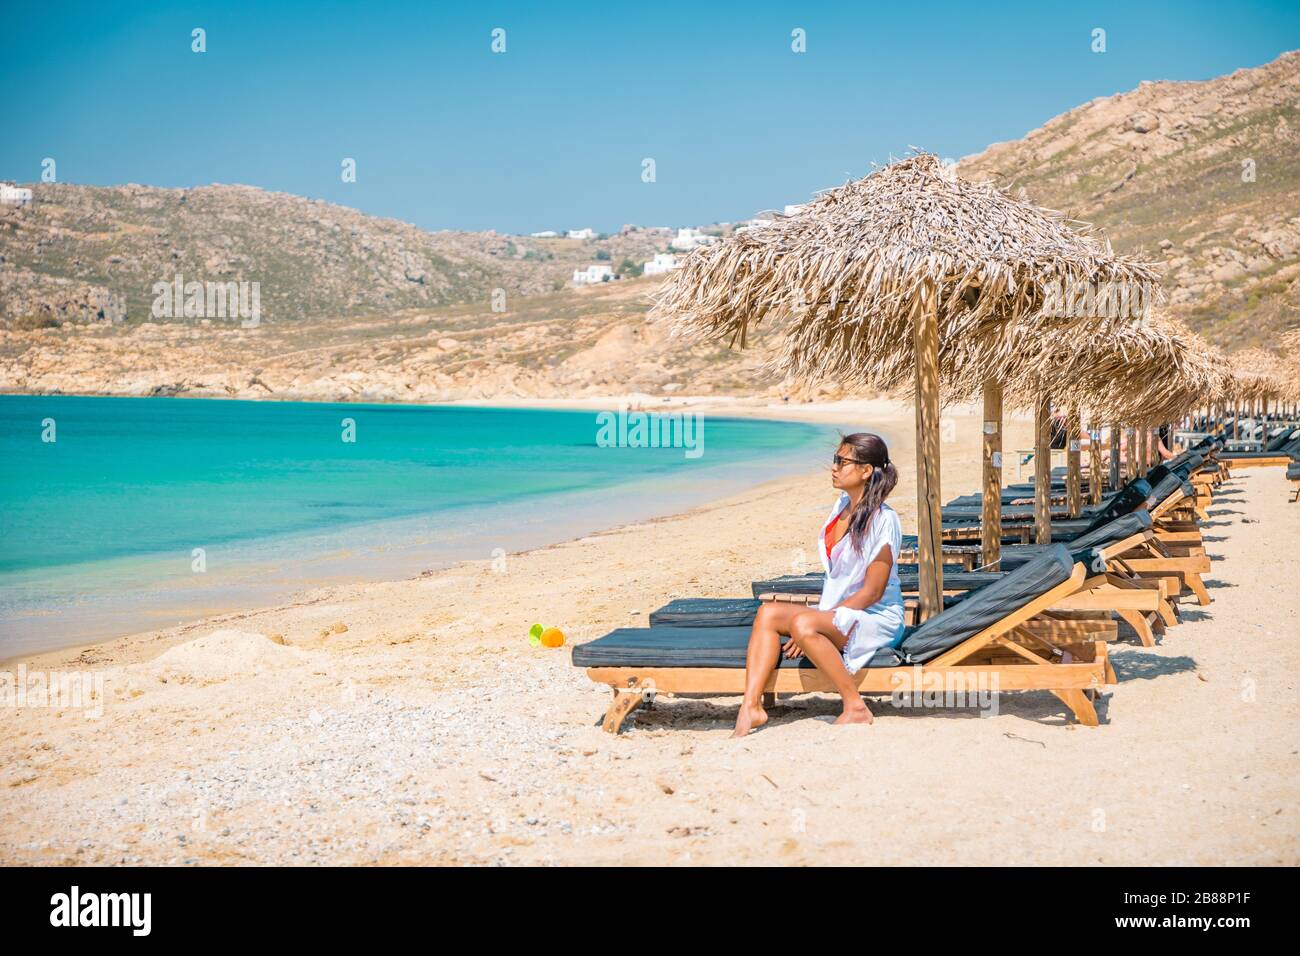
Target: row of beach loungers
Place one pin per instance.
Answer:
(1040, 622)
(1281, 446)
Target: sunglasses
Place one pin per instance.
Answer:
(838, 460)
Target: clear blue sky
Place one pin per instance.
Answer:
(552, 133)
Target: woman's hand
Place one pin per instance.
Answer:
(792, 651)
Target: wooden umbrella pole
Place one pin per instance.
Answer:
(1094, 462)
(1114, 456)
(991, 516)
(925, 340)
(1131, 442)
(1073, 465)
(1043, 470)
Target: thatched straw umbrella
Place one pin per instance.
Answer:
(1142, 375)
(1138, 373)
(1259, 378)
(879, 280)
(1291, 345)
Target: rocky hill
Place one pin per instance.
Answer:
(592, 341)
(1202, 176)
(86, 253)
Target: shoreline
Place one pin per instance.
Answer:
(609, 401)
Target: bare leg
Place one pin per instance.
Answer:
(822, 642)
(772, 620)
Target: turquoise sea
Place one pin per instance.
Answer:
(126, 514)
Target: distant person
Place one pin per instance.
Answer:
(861, 607)
(1060, 432)
(1165, 442)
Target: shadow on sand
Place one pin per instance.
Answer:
(700, 715)
(1143, 665)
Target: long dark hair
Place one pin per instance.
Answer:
(870, 449)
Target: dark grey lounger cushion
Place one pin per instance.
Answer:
(726, 646)
(723, 612)
(1167, 486)
(1126, 501)
(981, 608)
(1015, 555)
(910, 544)
(716, 612)
(1280, 440)
(671, 647)
(1292, 448)
(973, 514)
(954, 578)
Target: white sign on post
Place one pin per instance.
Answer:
(997, 459)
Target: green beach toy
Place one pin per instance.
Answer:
(535, 635)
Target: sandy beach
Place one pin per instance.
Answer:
(411, 722)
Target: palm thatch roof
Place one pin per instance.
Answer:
(1260, 375)
(1137, 374)
(1291, 345)
(842, 277)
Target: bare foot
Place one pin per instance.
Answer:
(749, 718)
(858, 713)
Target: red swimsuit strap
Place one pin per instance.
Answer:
(826, 534)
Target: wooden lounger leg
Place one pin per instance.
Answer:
(1079, 705)
(625, 701)
(1168, 612)
(1138, 621)
(769, 700)
(1197, 587)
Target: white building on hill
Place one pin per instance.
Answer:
(661, 263)
(688, 239)
(11, 195)
(597, 272)
(582, 234)
(546, 234)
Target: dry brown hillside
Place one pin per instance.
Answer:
(1202, 176)
(86, 253)
(577, 342)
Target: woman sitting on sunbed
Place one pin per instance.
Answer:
(861, 607)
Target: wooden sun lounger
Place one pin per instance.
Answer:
(1270, 461)
(1005, 654)
(1141, 601)
(1180, 568)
